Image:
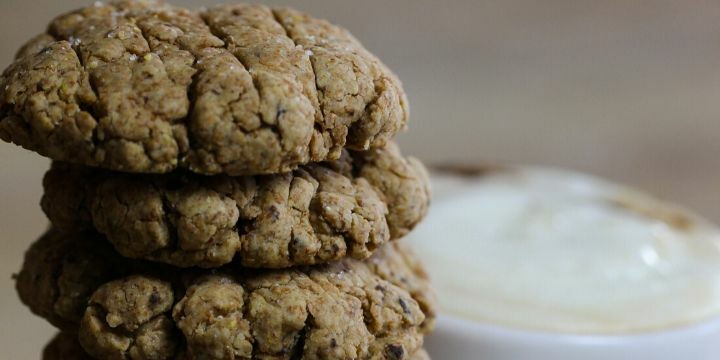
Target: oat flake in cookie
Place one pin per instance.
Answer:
(316, 214)
(140, 86)
(375, 309)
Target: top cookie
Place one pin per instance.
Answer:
(140, 86)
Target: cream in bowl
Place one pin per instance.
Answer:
(556, 254)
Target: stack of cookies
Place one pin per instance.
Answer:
(224, 186)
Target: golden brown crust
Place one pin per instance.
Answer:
(316, 214)
(377, 309)
(139, 86)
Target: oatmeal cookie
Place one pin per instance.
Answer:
(141, 86)
(65, 346)
(374, 309)
(316, 214)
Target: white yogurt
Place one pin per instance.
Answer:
(558, 251)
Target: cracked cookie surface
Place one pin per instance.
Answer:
(375, 309)
(64, 346)
(140, 86)
(315, 214)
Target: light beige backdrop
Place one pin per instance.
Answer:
(627, 89)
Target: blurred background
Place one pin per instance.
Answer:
(624, 89)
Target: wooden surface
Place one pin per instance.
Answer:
(625, 89)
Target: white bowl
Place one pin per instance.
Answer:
(458, 339)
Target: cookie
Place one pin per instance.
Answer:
(64, 346)
(60, 273)
(140, 86)
(379, 308)
(316, 214)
